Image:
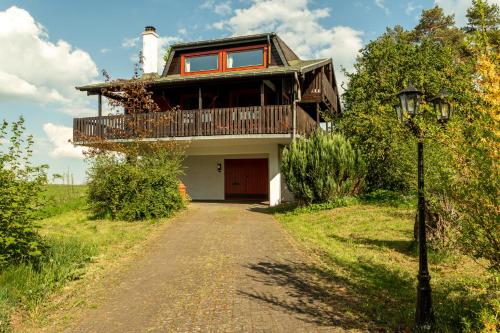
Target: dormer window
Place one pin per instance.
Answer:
(201, 63)
(239, 58)
(245, 58)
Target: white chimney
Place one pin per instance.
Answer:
(150, 50)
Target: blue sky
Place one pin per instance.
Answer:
(48, 47)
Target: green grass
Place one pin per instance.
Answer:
(73, 241)
(62, 198)
(367, 251)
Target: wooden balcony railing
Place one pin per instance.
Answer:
(270, 119)
(329, 95)
(319, 89)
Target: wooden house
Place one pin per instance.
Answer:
(236, 102)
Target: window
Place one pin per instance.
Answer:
(222, 60)
(202, 63)
(245, 58)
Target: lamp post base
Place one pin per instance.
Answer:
(424, 317)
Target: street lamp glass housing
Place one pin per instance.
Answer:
(442, 107)
(409, 99)
(399, 113)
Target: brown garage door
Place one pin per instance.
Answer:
(246, 179)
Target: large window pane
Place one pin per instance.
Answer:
(245, 58)
(202, 63)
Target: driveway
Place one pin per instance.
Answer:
(220, 267)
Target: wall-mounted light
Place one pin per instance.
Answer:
(219, 167)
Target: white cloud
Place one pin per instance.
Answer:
(182, 31)
(219, 8)
(130, 42)
(411, 7)
(223, 8)
(59, 137)
(300, 28)
(105, 50)
(34, 69)
(381, 4)
(163, 44)
(459, 8)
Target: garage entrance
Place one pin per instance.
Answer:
(246, 179)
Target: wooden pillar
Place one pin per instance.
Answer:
(317, 114)
(200, 99)
(282, 91)
(262, 97)
(99, 105)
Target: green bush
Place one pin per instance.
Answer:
(20, 188)
(322, 167)
(134, 188)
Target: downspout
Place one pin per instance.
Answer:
(294, 105)
(268, 50)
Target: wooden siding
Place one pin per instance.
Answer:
(175, 65)
(319, 89)
(270, 119)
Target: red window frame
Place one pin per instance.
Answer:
(196, 54)
(241, 49)
(222, 61)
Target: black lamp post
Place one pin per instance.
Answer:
(410, 99)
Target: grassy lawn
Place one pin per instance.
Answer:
(367, 251)
(80, 250)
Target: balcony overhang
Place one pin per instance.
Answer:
(200, 145)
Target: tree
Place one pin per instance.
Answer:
(322, 167)
(484, 18)
(462, 186)
(475, 144)
(57, 176)
(384, 67)
(435, 25)
(20, 194)
(132, 178)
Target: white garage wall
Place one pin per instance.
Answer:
(202, 180)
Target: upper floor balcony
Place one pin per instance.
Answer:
(185, 124)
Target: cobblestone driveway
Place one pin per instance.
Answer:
(220, 267)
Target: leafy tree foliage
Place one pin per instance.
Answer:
(429, 56)
(475, 144)
(460, 160)
(484, 18)
(20, 189)
(322, 167)
(133, 179)
(145, 188)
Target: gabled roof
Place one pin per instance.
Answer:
(223, 41)
(285, 53)
(291, 63)
(295, 66)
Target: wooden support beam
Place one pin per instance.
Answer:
(282, 91)
(262, 97)
(200, 99)
(271, 85)
(99, 105)
(317, 114)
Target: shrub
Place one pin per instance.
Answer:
(134, 188)
(20, 188)
(322, 167)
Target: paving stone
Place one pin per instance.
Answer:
(221, 267)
